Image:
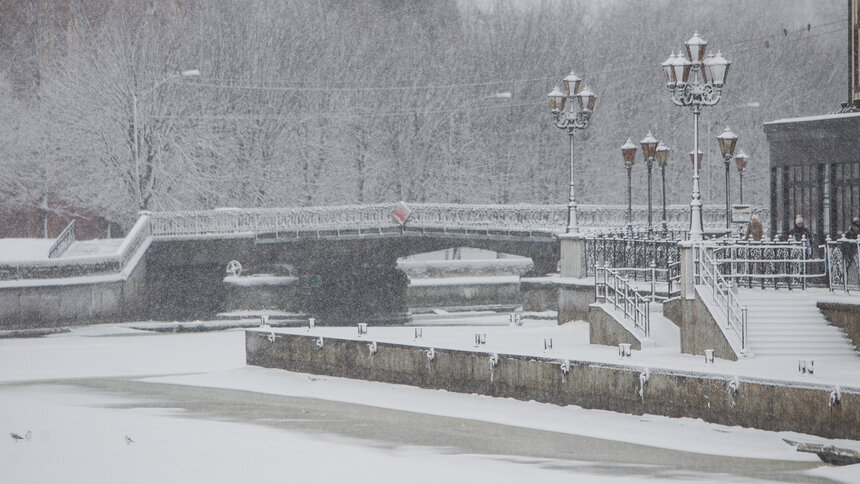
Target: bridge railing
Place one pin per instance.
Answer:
(776, 264)
(843, 264)
(722, 292)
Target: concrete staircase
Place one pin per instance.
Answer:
(788, 323)
(92, 248)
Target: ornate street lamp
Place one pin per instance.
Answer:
(571, 119)
(695, 81)
(628, 152)
(662, 154)
(649, 151)
(727, 140)
(741, 160)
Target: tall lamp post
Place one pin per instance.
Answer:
(191, 73)
(571, 119)
(628, 152)
(727, 140)
(662, 154)
(703, 88)
(649, 150)
(741, 160)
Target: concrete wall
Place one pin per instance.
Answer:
(698, 328)
(846, 316)
(573, 301)
(604, 329)
(538, 296)
(762, 404)
(451, 295)
(282, 296)
(39, 306)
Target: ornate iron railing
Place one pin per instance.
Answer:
(610, 286)
(722, 292)
(64, 240)
(843, 264)
(630, 252)
(773, 264)
(524, 218)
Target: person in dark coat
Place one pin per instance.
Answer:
(799, 232)
(853, 231)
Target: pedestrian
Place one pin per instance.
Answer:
(801, 234)
(853, 231)
(754, 230)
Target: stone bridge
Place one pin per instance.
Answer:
(345, 256)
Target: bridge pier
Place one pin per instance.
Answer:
(362, 284)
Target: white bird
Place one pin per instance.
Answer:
(128, 440)
(16, 437)
(28, 435)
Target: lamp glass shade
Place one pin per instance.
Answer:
(693, 160)
(628, 151)
(741, 160)
(696, 48)
(556, 100)
(662, 154)
(669, 70)
(649, 146)
(682, 70)
(716, 69)
(727, 140)
(571, 84)
(586, 99)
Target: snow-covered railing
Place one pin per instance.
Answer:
(64, 240)
(722, 292)
(843, 264)
(610, 286)
(632, 252)
(84, 265)
(769, 263)
(429, 216)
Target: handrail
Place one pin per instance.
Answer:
(788, 264)
(723, 293)
(64, 240)
(609, 286)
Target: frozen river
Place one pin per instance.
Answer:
(197, 414)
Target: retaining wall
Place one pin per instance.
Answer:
(769, 405)
(844, 315)
(84, 300)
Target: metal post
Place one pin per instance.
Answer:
(663, 176)
(741, 185)
(135, 151)
(572, 226)
(696, 227)
(650, 162)
(629, 199)
(728, 210)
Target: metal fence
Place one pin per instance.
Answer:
(769, 264)
(610, 286)
(629, 252)
(64, 240)
(843, 264)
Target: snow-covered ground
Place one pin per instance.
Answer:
(175, 395)
(13, 250)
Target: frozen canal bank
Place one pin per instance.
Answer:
(208, 417)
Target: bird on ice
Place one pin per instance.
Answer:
(16, 437)
(28, 435)
(128, 440)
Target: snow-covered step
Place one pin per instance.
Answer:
(93, 247)
(789, 323)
